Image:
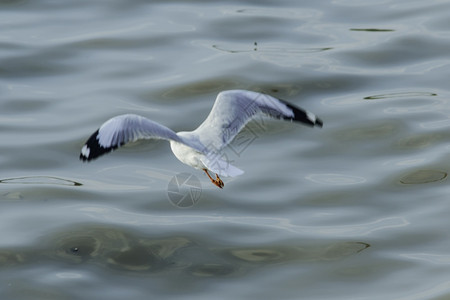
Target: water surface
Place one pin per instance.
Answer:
(355, 210)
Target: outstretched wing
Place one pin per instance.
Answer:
(123, 129)
(234, 109)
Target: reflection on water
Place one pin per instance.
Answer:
(334, 251)
(120, 249)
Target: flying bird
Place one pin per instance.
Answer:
(200, 148)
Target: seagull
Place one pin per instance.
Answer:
(202, 147)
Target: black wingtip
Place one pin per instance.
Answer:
(319, 122)
(302, 116)
(92, 149)
(83, 158)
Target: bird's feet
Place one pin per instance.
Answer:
(218, 182)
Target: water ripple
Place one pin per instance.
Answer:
(45, 180)
(423, 176)
(400, 95)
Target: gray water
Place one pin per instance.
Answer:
(356, 210)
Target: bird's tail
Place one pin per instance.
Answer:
(221, 167)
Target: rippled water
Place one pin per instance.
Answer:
(356, 210)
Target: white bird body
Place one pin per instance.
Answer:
(201, 148)
(187, 155)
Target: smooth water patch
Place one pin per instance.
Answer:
(423, 176)
(336, 179)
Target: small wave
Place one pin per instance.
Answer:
(50, 180)
(400, 95)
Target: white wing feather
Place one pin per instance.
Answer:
(123, 129)
(233, 109)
